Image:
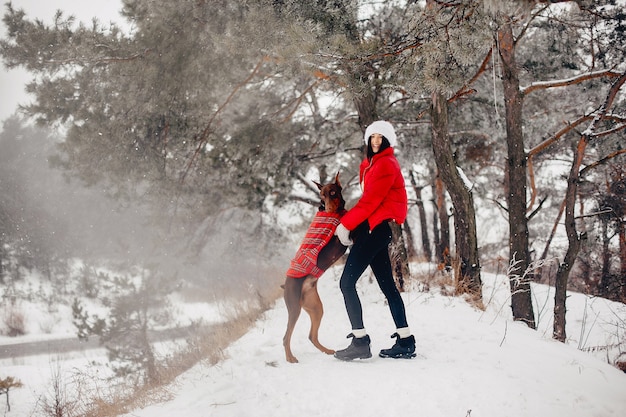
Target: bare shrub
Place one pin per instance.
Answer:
(436, 279)
(614, 348)
(6, 385)
(47, 324)
(58, 402)
(85, 392)
(14, 321)
(462, 287)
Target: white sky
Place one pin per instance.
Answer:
(12, 82)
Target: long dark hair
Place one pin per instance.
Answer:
(383, 146)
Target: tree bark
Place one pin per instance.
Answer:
(436, 235)
(443, 236)
(622, 258)
(399, 257)
(366, 109)
(606, 254)
(573, 238)
(411, 252)
(562, 274)
(466, 242)
(622, 253)
(515, 182)
(422, 217)
(426, 250)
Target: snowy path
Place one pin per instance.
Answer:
(469, 364)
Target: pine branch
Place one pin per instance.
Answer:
(537, 150)
(602, 161)
(544, 85)
(204, 136)
(464, 90)
(527, 25)
(608, 102)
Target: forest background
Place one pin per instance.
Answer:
(194, 131)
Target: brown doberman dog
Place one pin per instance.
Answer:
(301, 293)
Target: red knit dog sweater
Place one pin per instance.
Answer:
(317, 236)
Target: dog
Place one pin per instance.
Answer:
(319, 250)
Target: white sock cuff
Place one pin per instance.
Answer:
(403, 332)
(359, 332)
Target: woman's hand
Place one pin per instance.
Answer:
(343, 234)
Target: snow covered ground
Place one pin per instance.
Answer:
(470, 363)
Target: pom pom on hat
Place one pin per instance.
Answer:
(384, 128)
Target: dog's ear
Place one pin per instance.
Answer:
(318, 185)
(337, 180)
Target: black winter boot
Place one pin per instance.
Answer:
(359, 349)
(403, 348)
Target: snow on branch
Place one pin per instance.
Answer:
(601, 114)
(519, 278)
(544, 85)
(608, 102)
(466, 181)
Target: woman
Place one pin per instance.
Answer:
(383, 201)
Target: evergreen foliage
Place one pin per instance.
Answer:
(189, 101)
(136, 307)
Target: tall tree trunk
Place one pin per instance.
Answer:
(411, 252)
(364, 100)
(605, 274)
(399, 257)
(622, 257)
(573, 238)
(366, 109)
(515, 183)
(443, 241)
(422, 217)
(560, 291)
(428, 254)
(436, 235)
(622, 247)
(466, 241)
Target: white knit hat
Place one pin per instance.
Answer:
(384, 128)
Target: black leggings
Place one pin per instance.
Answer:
(371, 249)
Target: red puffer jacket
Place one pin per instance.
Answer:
(384, 194)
